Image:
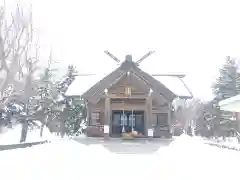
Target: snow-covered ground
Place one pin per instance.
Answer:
(230, 142)
(186, 158)
(12, 136)
(192, 159)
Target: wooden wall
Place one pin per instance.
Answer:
(138, 100)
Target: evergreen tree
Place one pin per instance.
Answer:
(57, 112)
(67, 79)
(226, 86)
(76, 116)
(208, 122)
(228, 83)
(48, 97)
(75, 112)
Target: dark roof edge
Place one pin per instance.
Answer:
(190, 92)
(125, 67)
(158, 82)
(93, 89)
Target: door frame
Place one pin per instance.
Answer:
(120, 110)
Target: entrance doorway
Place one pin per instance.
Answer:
(127, 121)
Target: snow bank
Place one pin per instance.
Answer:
(189, 158)
(12, 136)
(34, 135)
(230, 142)
(99, 149)
(186, 158)
(62, 159)
(58, 160)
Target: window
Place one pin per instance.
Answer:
(162, 119)
(95, 118)
(132, 119)
(123, 119)
(128, 91)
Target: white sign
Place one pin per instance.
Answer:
(150, 132)
(106, 129)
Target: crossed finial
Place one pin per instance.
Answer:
(129, 57)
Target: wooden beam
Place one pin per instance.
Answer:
(96, 96)
(102, 83)
(173, 75)
(107, 114)
(150, 112)
(146, 112)
(169, 117)
(153, 83)
(127, 107)
(88, 113)
(149, 116)
(114, 96)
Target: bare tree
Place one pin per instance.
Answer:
(187, 113)
(19, 53)
(16, 50)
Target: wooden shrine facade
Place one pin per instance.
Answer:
(129, 100)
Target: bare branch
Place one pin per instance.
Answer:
(17, 46)
(187, 114)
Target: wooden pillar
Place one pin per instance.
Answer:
(107, 115)
(150, 121)
(88, 113)
(146, 117)
(149, 129)
(169, 117)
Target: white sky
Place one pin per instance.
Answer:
(188, 36)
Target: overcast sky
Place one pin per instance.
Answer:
(193, 37)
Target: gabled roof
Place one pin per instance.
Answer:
(176, 85)
(92, 87)
(83, 83)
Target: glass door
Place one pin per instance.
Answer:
(139, 122)
(132, 122)
(127, 121)
(124, 122)
(116, 123)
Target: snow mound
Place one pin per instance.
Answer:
(12, 135)
(186, 158)
(100, 149)
(189, 158)
(34, 135)
(184, 141)
(231, 142)
(183, 144)
(47, 161)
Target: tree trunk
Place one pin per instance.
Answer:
(24, 125)
(41, 129)
(24, 131)
(43, 125)
(237, 132)
(62, 133)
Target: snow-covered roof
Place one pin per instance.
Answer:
(174, 84)
(82, 83)
(229, 100)
(231, 104)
